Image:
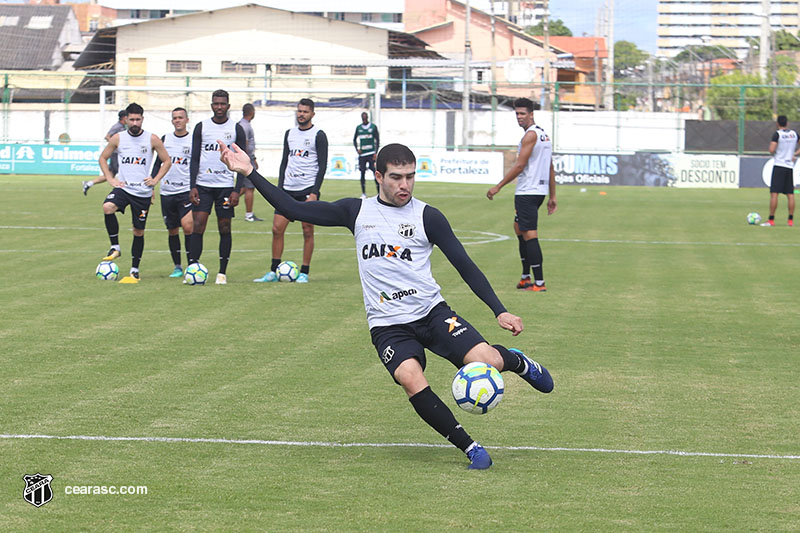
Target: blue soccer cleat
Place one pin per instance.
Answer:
(269, 277)
(177, 273)
(302, 278)
(537, 375)
(479, 458)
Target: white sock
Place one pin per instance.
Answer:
(539, 282)
(134, 270)
(248, 215)
(115, 247)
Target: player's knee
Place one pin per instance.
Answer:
(109, 208)
(410, 376)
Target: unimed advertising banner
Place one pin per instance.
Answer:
(49, 159)
(648, 169)
(456, 167)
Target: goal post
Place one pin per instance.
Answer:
(373, 94)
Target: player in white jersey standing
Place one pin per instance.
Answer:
(303, 166)
(176, 208)
(212, 184)
(133, 184)
(535, 179)
(784, 153)
(395, 234)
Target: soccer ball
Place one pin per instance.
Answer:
(107, 271)
(753, 218)
(196, 274)
(478, 388)
(287, 271)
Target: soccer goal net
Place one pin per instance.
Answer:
(337, 112)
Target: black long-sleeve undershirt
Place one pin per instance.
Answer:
(345, 211)
(321, 146)
(197, 142)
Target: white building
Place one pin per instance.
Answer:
(386, 14)
(727, 23)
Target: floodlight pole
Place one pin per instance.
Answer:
(465, 141)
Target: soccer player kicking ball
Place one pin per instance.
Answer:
(133, 185)
(395, 234)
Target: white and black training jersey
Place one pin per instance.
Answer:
(393, 247)
(787, 143)
(206, 168)
(535, 177)
(305, 159)
(176, 180)
(394, 263)
(135, 159)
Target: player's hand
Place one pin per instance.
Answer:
(115, 183)
(512, 323)
(150, 181)
(312, 197)
(194, 196)
(491, 192)
(551, 206)
(235, 159)
(234, 198)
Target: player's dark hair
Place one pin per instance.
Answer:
(782, 121)
(122, 114)
(396, 154)
(307, 102)
(248, 109)
(222, 93)
(524, 102)
(134, 109)
(180, 109)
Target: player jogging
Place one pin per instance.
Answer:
(783, 148)
(303, 166)
(535, 178)
(176, 207)
(212, 184)
(248, 114)
(395, 234)
(119, 125)
(367, 141)
(133, 184)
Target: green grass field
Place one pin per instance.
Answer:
(669, 325)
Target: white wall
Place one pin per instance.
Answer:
(574, 132)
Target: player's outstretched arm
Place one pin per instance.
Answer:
(340, 213)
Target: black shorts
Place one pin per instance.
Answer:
(300, 196)
(782, 180)
(174, 207)
(442, 331)
(527, 211)
(219, 197)
(139, 206)
(365, 161)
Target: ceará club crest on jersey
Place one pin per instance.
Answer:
(406, 230)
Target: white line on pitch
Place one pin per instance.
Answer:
(390, 445)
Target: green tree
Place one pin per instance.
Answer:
(786, 41)
(724, 93)
(556, 27)
(703, 53)
(627, 56)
